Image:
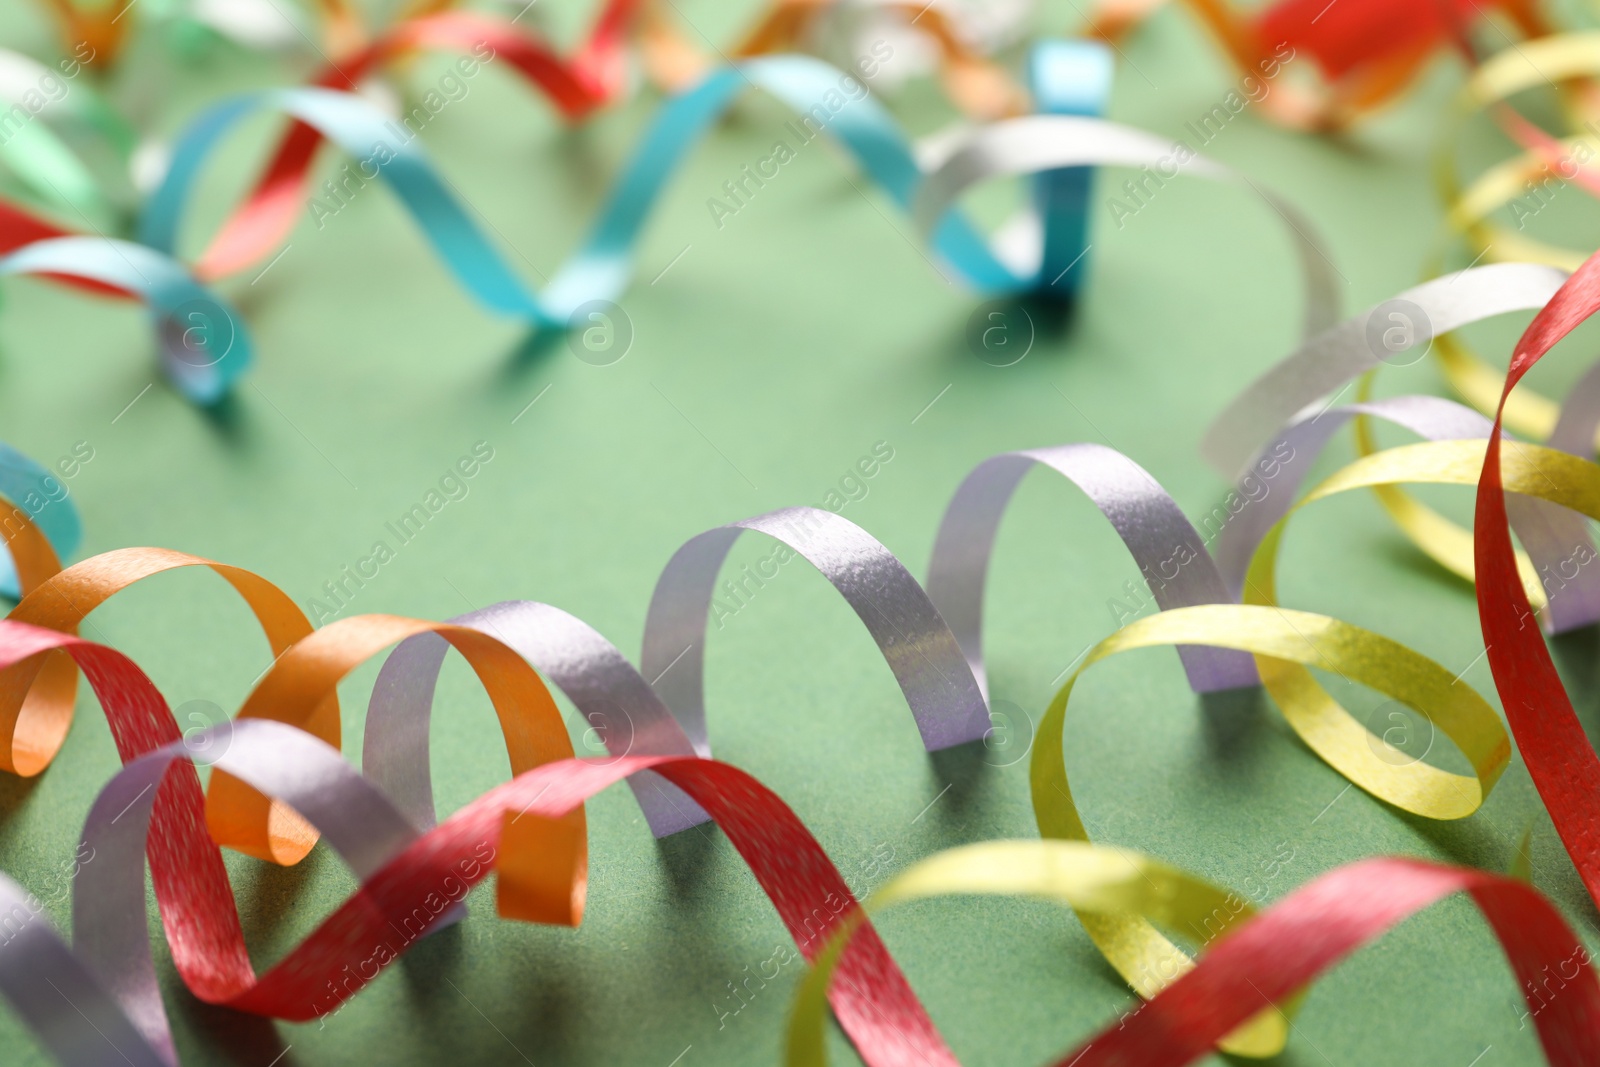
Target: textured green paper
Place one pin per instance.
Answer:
(771, 355)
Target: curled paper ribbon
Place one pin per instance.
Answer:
(206, 346)
(110, 975)
(1550, 534)
(301, 690)
(1069, 79)
(613, 698)
(202, 340)
(1149, 522)
(1561, 762)
(1057, 148)
(915, 640)
(1313, 928)
(576, 85)
(590, 77)
(1563, 766)
(1291, 391)
(1560, 759)
(1263, 959)
(1535, 64)
(1522, 183)
(1340, 354)
(37, 697)
(520, 830)
(939, 673)
(276, 789)
(40, 521)
(1045, 143)
(601, 267)
(1294, 388)
(36, 700)
(1284, 643)
(529, 831)
(940, 669)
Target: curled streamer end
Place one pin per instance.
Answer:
(203, 343)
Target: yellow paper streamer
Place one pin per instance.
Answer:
(1122, 896)
(1443, 541)
(1532, 470)
(1095, 881)
(1564, 58)
(1285, 643)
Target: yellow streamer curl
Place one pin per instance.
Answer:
(1093, 880)
(1284, 643)
(1120, 896)
(1565, 58)
(1532, 470)
(1443, 541)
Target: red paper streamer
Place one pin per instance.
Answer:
(1285, 947)
(872, 999)
(1560, 759)
(1347, 34)
(1267, 960)
(593, 76)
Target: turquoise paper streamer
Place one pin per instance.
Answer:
(203, 341)
(1072, 78)
(1067, 78)
(204, 344)
(44, 498)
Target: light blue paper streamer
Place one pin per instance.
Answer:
(203, 342)
(1071, 78)
(1067, 78)
(43, 497)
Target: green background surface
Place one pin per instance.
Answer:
(770, 357)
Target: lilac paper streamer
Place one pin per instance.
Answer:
(110, 924)
(1047, 142)
(946, 699)
(1580, 416)
(1548, 532)
(1146, 518)
(608, 692)
(101, 1004)
(1337, 356)
(67, 1007)
(932, 640)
